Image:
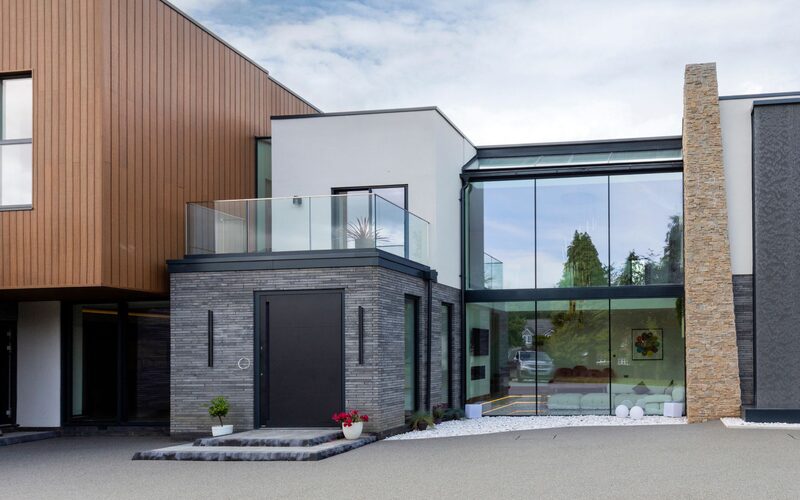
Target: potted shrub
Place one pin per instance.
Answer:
(421, 421)
(352, 423)
(363, 234)
(219, 409)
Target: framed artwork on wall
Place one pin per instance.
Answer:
(647, 344)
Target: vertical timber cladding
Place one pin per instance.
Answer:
(712, 372)
(136, 111)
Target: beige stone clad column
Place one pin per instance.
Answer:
(712, 370)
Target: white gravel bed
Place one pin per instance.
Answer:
(738, 423)
(489, 425)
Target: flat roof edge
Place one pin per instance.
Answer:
(758, 96)
(379, 112)
(773, 102)
(593, 146)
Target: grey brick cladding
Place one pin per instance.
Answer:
(743, 311)
(376, 387)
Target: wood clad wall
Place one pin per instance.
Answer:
(55, 244)
(137, 111)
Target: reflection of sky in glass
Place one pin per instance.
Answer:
(509, 230)
(563, 207)
(641, 207)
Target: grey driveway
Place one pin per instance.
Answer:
(689, 461)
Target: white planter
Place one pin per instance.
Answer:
(354, 431)
(221, 430)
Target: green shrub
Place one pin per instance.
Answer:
(453, 414)
(420, 421)
(219, 408)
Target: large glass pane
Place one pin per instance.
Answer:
(647, 353)
(572, 361)
(646, 228)
(291, 224)
(16, 174)
(500, 238)
(411, 325)
(94, 362)
(571, 232)
(501, 357)
(16, 108)
(390, 227)
(147, 362)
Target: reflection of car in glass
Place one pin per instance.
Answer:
(527, 365)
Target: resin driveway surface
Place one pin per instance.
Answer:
(685, 461)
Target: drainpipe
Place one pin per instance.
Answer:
(462, 310)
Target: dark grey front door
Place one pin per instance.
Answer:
(7, 372)
(302, 378)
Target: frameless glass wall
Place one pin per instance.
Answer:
(577, 231)
(575, 357)
(562, 272)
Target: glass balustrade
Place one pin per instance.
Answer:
(305, 223)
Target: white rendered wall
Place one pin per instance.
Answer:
(39, 364)
(736, 124)
(310, 156)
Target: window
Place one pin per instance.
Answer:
(446, 333)
(411, 333)
(119, 363)
(16, 151)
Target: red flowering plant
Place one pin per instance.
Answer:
(349, 418)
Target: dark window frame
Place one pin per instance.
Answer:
(447, 308)
(13, 142)
(417, 382)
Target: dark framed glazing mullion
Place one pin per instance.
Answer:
(535, 303)
(608, 272)
(122, 362)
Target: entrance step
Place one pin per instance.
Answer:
(274, 437)
(192, 452)
(16, 437)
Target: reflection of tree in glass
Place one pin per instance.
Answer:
(583, 266)
(644, 270)
(580, 337)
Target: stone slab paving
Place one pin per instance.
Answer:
(275, 437)
(190, 452)
(10, 438)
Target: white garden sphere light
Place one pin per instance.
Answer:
(621, 411)
(637, 412)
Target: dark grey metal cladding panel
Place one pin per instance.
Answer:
(776, 224)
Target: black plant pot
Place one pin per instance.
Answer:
(422, 426)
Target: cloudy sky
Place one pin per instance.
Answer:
(509, 71)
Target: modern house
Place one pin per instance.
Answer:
(176, 225)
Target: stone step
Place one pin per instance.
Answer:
(190, 452)
(283, 437)
(16, 437)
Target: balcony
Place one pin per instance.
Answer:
(305, 223)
